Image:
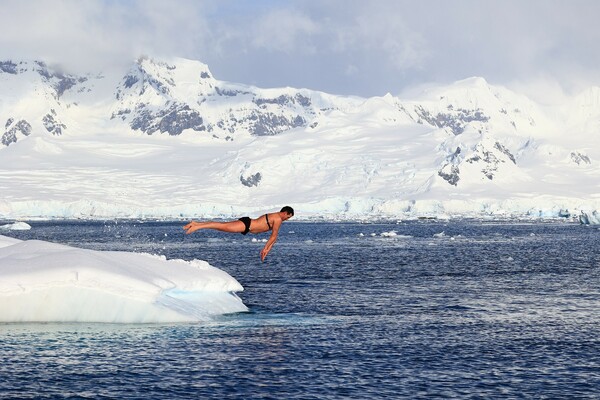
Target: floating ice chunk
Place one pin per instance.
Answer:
(589, 218)
(47, 282)
(17, 226)
(395, 235)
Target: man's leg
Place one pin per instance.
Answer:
(231, 226)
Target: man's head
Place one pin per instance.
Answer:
(289, 210)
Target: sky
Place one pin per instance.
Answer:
(544, 48)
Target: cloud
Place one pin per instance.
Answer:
(509, 40)
(385, 36)
(369, 29)
(339, 46)
(88, 35)
(320, 41)
(286, 31)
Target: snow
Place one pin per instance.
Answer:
(46, 282)
(465, 149)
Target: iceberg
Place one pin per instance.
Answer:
(17, 226)
(47, 282)
(589, 218)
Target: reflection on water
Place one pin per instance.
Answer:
(490, 310)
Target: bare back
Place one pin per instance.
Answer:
(265, 223)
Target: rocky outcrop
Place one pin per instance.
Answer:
(173, 120)
(52, 125)
(454, 119)
(21, 127)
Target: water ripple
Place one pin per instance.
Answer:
(487, 310)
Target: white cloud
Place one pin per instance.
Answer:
(340, 46)
(88, 35)
(380, 32)
(286, 31)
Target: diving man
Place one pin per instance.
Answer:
(264, 223)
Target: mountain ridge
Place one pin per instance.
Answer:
(467, 148)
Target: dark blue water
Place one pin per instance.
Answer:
(486, 310)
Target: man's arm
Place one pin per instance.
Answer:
(271, 241)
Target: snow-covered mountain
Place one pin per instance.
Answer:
(167, 139)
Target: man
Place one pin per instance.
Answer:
(267, 222)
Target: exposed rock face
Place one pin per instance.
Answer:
(271, 124)
(10, 135)
(60, 81)
(8, 67)
(52, 125)
(455, 120)
(580, 158)
(489, 159)
(486, 156)
(252, 180)
(285, 100)
(450, 173)
(152, 97)
(173, 120)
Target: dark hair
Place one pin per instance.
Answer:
(288, 210)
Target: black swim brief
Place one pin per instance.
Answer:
(246, 221)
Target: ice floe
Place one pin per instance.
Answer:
(17, 226)
(47, 282)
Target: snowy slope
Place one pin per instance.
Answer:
(167, 139)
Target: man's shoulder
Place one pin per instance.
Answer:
(276, 217)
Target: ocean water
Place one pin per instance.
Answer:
(460, 309)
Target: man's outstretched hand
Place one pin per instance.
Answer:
(263, 254)
(190, 228)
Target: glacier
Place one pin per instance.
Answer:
(47, 282)
(166, 139)
(589, 217)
